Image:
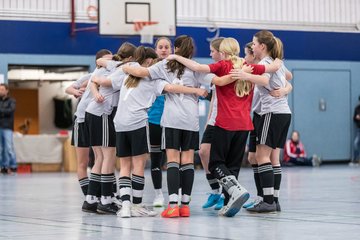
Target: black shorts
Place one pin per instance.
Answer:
(155, 134)
(272, 130)
(252, 140)
(132, 143)
(80, 135)
(208, 134)
(182, 140)
(101, 130)
(227, 148)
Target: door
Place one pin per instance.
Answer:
(322, 114)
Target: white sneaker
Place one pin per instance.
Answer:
(140, 210)
(223, 210)
(316, 161)
(158, 201)
(117, 201)
(125, 211)
(238, 195)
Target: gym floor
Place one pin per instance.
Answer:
(317, 203)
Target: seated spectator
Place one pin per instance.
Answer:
(294, 153)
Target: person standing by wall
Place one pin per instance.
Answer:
(356, 118)
(7, 151)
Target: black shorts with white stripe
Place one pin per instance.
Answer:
(101, 130)
(208, 134)
(80, 135)
(182, 140)
(252, 140)
(132, 143)
(272, 130)
(155, 134)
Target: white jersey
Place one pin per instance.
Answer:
(213, 115)
(134, 103)
(276, 80)
(256, 103)
(181, 111)
(106, 106)
(86, 98)
(78, 83)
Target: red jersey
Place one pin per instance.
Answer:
(293, 150)
(233, 111)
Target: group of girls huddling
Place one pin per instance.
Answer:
(143, 100)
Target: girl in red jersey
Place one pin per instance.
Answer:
(232, 124)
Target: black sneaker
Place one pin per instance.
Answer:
(89, 207)
(263, 207)
(4, 170)
(14, 170)
(110, 208)
(278, 208)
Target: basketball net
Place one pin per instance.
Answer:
(146, 34)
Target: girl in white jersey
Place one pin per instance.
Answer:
(163, 50)
(132, 132)
(99, 117)
(215, 197)
(274, 123)
(256, 108)
(80, 133)
(180, 122)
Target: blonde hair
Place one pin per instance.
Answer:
(231, 47)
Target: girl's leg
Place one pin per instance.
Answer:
(275, 162)
(125, 186)
(214, 197)
(107, 181)
(187, 175)
(94, 188)
(266, 174)
(82, 156)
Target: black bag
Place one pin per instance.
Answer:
(63, 112)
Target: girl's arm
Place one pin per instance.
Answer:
(71, 90)
(192, 65)
(261, 80)
(222, 81)
(102, 62)
(95, 92)
(274, 66)
(102, 81)
(137, 71)
(175, 88)
(280, 92)
(288, 75)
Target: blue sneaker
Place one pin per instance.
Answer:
(252, 203)
(212, 200)
(220, 203)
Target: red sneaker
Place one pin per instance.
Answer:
(184, 211)
(171, 212)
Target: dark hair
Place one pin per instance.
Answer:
(216, 43)
(126, 50)
(248, 46)
(184, 46)
(273, 44)
(5, 85)
(101, 53)
(140, 55)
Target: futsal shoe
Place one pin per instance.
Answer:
(171, 212)
(212, 200)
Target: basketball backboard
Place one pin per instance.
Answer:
(117, 17)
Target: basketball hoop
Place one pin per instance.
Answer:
(92, 12)
(146, 34)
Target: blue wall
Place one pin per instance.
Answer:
(41, 43)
